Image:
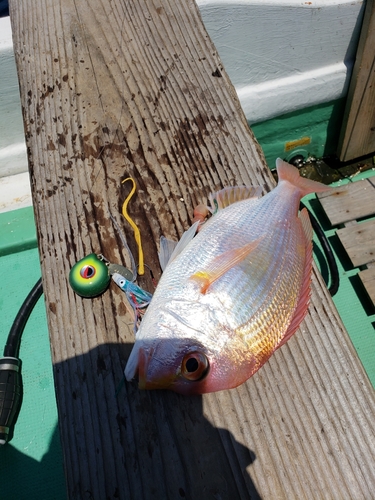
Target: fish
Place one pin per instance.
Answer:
(232, 294)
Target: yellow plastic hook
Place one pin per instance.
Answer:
(137, 234)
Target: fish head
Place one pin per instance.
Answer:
(189, 354)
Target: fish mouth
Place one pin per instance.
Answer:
(136, 366)
(143, 375)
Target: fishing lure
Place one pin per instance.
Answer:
(91, 275)
(137, 234)
(137, 297)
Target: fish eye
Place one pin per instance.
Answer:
(194, 366)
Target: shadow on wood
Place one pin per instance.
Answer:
(144, 444)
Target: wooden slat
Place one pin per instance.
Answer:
(357, 137)
(111, 89)
(368, 279)
(359, 242)
(353, 201)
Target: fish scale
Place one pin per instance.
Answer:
(269, 279)
(234, 294)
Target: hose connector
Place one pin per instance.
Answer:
(10, 395)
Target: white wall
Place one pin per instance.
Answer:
(281, 56)
(285, 55)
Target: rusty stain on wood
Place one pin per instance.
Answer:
(112, 89)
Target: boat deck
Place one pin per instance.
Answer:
(354, 257)
(166, 114)
(354, 207)
(31, 464)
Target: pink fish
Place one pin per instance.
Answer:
(231, 295)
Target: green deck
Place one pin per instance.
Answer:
(355, 307)
(315, 127)
(31, 465)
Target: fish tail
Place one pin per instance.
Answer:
(287, 172)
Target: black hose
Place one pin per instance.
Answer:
(11, 387)
(12, 346)
(334, 272)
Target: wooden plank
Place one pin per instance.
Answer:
(349, 202)
(357, 136)
(368, 279)
(359, 242)
(111, 89)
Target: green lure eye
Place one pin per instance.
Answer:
(89, 276)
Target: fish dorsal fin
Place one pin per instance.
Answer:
(304, 297)
(169, 249)
(222, 263)
(229, 195)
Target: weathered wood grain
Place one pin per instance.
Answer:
(349, 202)
(368, 279)
(112, 89)
(357, 137)
(359, 241)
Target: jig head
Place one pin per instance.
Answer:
(91, 275)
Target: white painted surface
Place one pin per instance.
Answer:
(284, 55)
(291, 93)
(281, 55)
(13, 158)
(15, 192)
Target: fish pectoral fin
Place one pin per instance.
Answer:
(229, 195)
(223, 263)
(167, 248)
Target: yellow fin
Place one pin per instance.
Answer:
(222, 263)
